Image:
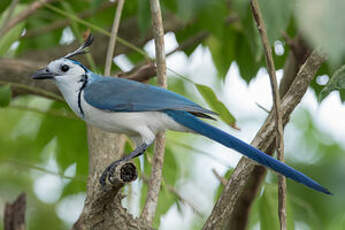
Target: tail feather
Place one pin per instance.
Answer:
(188, 120)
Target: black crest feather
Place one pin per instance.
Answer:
(81, 49)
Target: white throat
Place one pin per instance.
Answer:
(70, 87)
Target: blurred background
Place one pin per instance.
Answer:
(215, 56)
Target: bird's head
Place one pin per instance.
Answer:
(65, 69)
(61, 69)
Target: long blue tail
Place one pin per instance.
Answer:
(188, 120)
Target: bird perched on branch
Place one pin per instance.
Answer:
(140, 111)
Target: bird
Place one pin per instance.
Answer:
(141, 110)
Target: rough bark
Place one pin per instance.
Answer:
(103, 209)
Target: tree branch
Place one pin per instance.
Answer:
(14, 214)
(18, 72)
(103, 209)
(242, 176)
(221, 179)
(31, 9)
(149, 209)
(276, 101)
(113, 36)
(239, 219)
(8, 17)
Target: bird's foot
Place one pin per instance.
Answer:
(108, 173)
(126, 172)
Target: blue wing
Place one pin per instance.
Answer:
(122, 95)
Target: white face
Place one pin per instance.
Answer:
(65, 68)
(69, 76)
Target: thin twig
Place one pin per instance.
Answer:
(33, 89)
(8, 16)
(262, 107)
(145, 70)
(219, 177)
(174, 191)
(113, 36)
(276, 99)
(31, 9)
(157, 166)
(97, 28)
(65, 22)
(199, 151)
(34, 166)
(196, 39)
(50, 112)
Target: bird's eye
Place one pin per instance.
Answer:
(64, 68)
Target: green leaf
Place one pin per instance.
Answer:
(268, 209)
(188, 31)
(247, 61)
(96, 3)
(216, 105)
(186, 9)
(5, 95)
(144, 16)
(323, 24)
(223, 51)
(276, 15)
(13, 35)
(3, 5)
(337, 82)
(170, 167)
(74, 187)
(249, 32)
(200, 11)
(71, 139)
(43, 41)
(217, 25)
(220, 188)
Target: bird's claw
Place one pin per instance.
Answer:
(107, 174)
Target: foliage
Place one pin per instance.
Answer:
(337, 82)
(216, 105)
(318, 21)
(14, 34)
(29, 125)
(5, 95)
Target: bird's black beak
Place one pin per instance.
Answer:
(43, 74)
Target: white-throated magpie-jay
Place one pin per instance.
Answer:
(141, 111)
